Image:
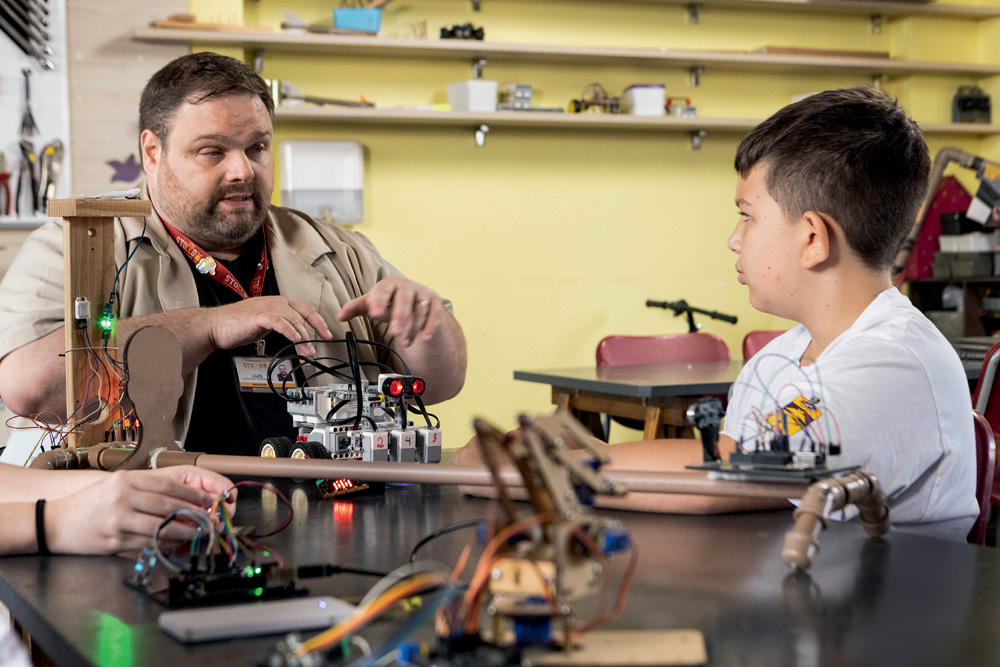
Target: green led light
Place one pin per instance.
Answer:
(258, 592)
(248, 571)
(257, 571)
(267, 554)
(106, 323)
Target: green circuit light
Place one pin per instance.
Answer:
(258, 592)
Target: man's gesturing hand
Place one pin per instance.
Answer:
(412, 311)
(245, 321)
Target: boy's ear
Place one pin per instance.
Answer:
(818, 231)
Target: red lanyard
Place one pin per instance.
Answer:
(206, 264)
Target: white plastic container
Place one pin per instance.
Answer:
(324, 179)
(473, 95)
(644, 99)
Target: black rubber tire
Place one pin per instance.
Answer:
(278, 447)
(309, 450)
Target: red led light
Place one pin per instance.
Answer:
(418, 386)
(396, 388)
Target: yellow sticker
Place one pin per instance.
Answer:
(796, 415)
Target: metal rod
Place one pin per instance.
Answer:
(637, 481)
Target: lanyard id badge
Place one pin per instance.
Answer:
(252, 372)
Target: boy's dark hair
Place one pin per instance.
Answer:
(852, 154)
(192, 79)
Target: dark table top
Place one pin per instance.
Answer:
(643, 381)
(902, 600)
(657, 380)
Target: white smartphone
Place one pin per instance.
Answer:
(261, 618)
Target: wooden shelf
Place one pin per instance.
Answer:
(510, 119)
(543, 119)
(862, 7)
(464, 50)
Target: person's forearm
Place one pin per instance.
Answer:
(440, 361)
(18, 534)
(29, 484)
(40, 360)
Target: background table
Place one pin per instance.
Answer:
(656, 394)
(902, 600)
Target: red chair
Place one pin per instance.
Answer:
(985, 469)
(673, 348)
(986, 400)
(676, 348)
(755, 341)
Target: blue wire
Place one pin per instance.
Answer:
(414, 622)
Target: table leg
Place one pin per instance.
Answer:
(592, 421)
(654, 423)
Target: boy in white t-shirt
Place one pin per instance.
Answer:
(828, 189)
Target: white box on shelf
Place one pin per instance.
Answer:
(324, 179)
(644, 99)
(473, 95)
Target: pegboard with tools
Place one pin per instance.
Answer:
(34, 110)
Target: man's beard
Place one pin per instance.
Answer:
(204, 222)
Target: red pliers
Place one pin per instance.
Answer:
(4, 187)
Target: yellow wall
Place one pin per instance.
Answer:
(547, 241)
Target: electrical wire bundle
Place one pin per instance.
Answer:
(65, 427)
(216, 545)
(769, 421)
(334, 367)
(456, 606)
(413, 579)
(464, 618)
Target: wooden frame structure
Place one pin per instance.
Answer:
(89, 264)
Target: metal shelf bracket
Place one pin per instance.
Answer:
(696, 73)
(694, 11)
(696, 138)
(480, 135)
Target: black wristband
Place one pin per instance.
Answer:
(43, 547)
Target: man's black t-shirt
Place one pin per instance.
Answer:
(224, 419)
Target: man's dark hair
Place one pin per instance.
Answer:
(192, 79)
(852, 154)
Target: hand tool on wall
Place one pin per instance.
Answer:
(29, 46)
(49, 165)
(26, 177)
(28, 126)
(39, 6)
(20, 16)
(4, 186)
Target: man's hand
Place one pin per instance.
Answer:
(120, 512)
(414, 312)
(249, 320)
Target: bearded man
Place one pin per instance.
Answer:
(233, 277)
